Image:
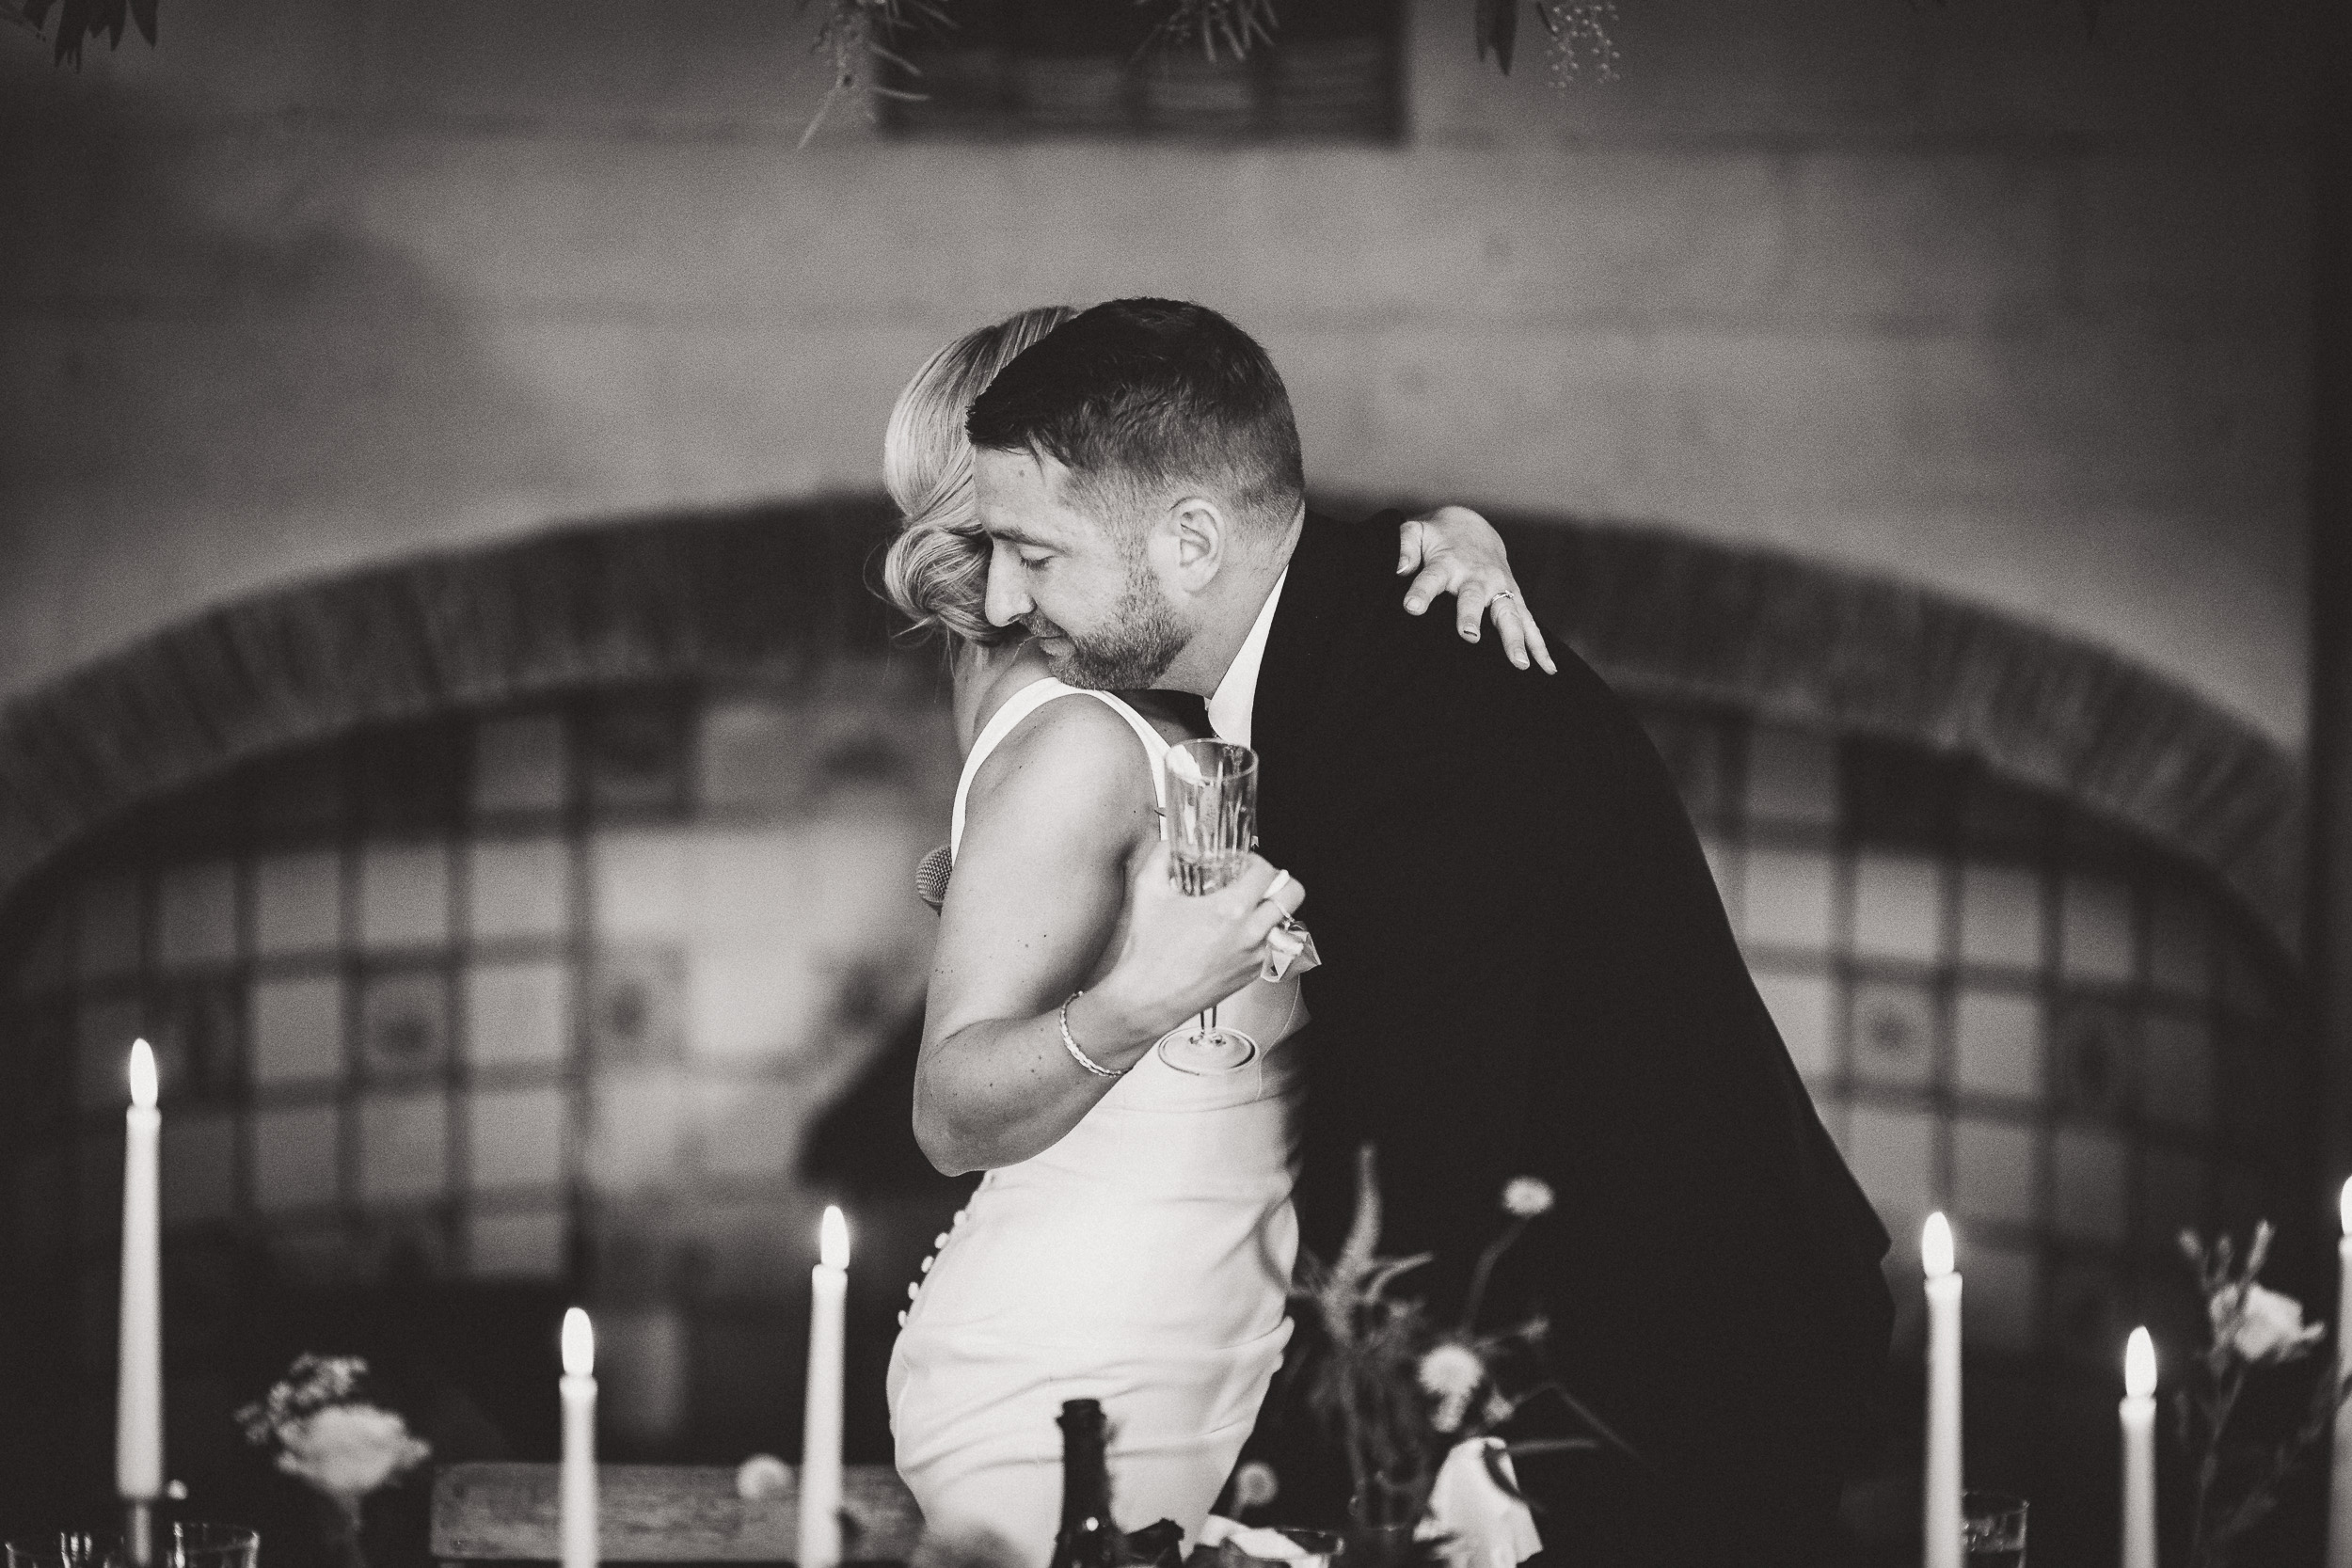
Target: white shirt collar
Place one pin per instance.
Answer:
(1234, 702)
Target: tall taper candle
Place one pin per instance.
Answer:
(140, 1359)
(579, 1494)
(2139, 1450)
(820, 1411)
(2339, 1478)
(1941, 1540)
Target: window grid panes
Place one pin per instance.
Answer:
(449, 983)
(1331, 69)
(2004, 1010)
(594, 965)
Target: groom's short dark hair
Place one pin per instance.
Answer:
(1143, 394)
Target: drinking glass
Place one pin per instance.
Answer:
(176, 1545)
(66, 1549)
(1212, 826)
(1993, 1530)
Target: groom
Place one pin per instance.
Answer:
(1526, 968)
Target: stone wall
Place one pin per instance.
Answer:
(1958, 295)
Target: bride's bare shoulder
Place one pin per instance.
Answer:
(1072, 765)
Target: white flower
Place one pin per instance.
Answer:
(1451, 1368)
(1255, 1484)
(763, 1475)
(2265, 1326)
(1527, 1196)
(1450, 1373)
(348, 1450)
(311, 1383)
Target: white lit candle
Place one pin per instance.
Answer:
(821, 1418)
(2340, 1479)
(579, 1494)
(2140, 1451)
(1941, 1524)
(140, 1359)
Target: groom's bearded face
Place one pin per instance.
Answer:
(1081, 584)
(1132, 645)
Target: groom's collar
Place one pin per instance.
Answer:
(1234, 702)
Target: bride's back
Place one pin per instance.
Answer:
(1143, 1259)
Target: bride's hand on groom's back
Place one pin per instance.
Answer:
(1185, 953)
(1454, 550)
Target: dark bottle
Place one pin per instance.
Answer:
(1088, 1538)
(1161, 1544)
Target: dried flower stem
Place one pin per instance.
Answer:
(1582, 1413)
(1485, 1271)
(2246, 1326)
(1393, 1389)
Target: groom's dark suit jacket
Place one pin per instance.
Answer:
(1528, 972)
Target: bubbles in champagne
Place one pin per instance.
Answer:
(1199, 875)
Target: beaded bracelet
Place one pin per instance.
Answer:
(1078, 1055)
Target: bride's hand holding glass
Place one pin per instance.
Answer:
(1185, 953)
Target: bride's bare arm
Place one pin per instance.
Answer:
(1059, 838)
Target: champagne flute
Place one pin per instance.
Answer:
(1212, 826)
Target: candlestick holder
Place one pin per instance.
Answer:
(1993, 1530)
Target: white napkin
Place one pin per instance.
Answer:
(1270, 1545)
(1230, 1538)
(1288, 946)
(1484, 1525)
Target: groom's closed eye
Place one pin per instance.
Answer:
(1029, 558)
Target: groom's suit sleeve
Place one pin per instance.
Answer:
(1529, 971)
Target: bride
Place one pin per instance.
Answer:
(1132, 1239)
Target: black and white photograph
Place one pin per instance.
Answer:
(1176, 784)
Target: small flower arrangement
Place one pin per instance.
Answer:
(2251, 1332)
(329, 1434)
(1398, 1391)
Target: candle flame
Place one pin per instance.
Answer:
(832, 1238)
(142, 1075)
(2140, 1365)
(579, 1344)
(2344, 1208)
(1935, 1245)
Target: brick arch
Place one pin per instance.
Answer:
(1795, 640)
(781, 590)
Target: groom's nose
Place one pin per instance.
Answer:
(1008, 599)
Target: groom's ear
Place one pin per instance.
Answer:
(1202, 538)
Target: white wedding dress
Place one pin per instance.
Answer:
(1142, 1260)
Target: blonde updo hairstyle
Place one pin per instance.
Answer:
(936, 569)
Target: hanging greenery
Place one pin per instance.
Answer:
(1235, 25)
(1580, 35)
(855, 32)
(858, 34)
(81, 19)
